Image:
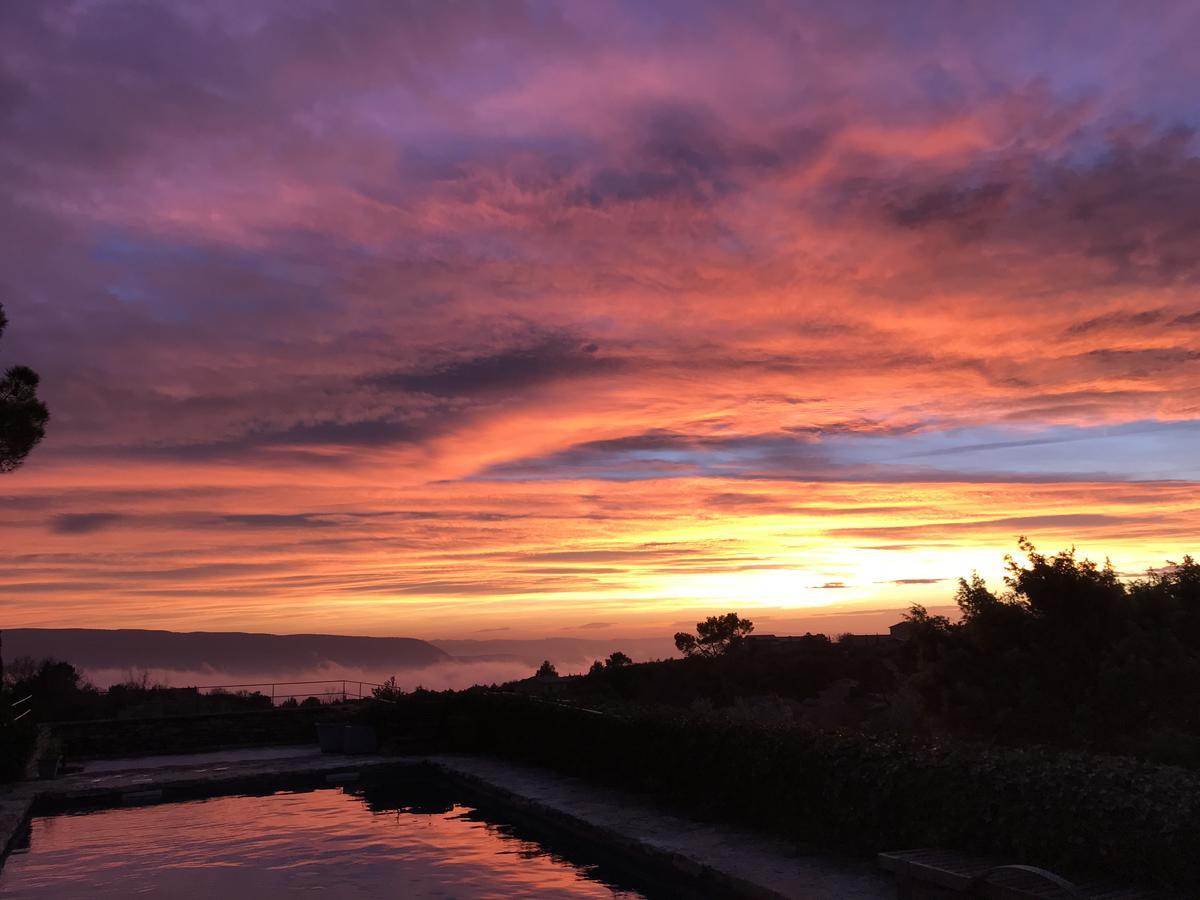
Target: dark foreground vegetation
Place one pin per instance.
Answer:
(1069, 654)
(115, 738)
(1055, 722)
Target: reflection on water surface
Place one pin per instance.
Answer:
(397, 841)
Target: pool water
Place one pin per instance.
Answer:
(392, 841)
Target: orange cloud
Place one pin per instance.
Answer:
(533, 320)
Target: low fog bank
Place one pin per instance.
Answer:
(567, 653)
(450, 675)
(210, 659)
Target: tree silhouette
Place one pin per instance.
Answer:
(714, 636)
(23, 416)
(617, 659)
(389, 691)
(1068, 653)
(547, 670)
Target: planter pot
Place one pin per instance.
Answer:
(360, 739)
(48, 767)
(331, 737)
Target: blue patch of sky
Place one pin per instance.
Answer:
(136, 262)
(1136, 451)
(1144, 450)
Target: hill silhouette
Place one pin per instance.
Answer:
(233, 651)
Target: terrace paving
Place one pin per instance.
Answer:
(735, 863)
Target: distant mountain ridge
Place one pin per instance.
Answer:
(228, 651)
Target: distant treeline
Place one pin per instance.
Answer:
(1069, 653)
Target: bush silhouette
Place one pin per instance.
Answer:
(1069, 653)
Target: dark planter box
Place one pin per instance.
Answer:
(359, 739)
(48, 767)
(331, 737)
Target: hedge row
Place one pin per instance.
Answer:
(109, 738)
(1071, 812)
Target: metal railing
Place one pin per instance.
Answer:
(328, 690)
(350, 690)
(26, 711)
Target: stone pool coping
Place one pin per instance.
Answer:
(734, 863)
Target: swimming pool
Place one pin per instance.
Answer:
(402, 840)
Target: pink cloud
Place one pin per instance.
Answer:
(373, 258)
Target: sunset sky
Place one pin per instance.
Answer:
(441, 318)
